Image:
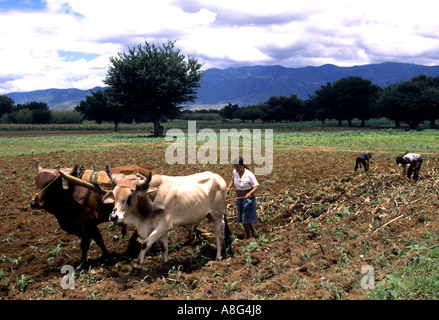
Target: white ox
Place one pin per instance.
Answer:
(159, 203)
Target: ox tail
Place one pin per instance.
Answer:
(227, 237)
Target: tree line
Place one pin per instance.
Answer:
(34, 112)
(412, 101)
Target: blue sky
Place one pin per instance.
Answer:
(68, 43)
(76, 56)
(23, 4)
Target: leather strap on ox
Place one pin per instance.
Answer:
(127, 181)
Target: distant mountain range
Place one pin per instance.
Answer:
(254, 84)
(56, 99)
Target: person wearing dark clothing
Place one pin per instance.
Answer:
(414, 161)
(363, 158)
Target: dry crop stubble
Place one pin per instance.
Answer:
(321, 223)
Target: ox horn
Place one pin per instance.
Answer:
(110, 175)
(39, 167)
(143, 184)
(81, 183)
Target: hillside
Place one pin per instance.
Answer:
(56, 99)
(254, 84)
(251, 85)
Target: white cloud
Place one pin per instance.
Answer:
(220, 33)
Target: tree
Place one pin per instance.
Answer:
(102, 106)
(41, 116)
(411, 101)
(389, 104)
(33, 105)
(248, 113)
(286, 108)
(430, 97)
(153, 80)
(229, 111)
(267, 113)
(325, 103)
(355, 98)
(31, 112)
(6, 105)
(280, 108)
(94, 107)
(346, 99)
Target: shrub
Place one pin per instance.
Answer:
(65, 117)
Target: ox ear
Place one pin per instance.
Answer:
(151, 192)
(108, 198)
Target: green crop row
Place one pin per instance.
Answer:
(356, 141)
(363, 140)
(217, 124)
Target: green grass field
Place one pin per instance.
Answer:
(89, 126)
(426, 141)
(379, 140)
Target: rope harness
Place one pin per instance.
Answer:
(48, 185)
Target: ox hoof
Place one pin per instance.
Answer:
(136, 271)
(213, 263)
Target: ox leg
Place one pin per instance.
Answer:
(159, 233)
(133, 246)
(96, 235)
(85, 244)
(164, 240)
(219, 233)
(124, 230)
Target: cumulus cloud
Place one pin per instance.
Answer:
(68, 43)
(296, 34)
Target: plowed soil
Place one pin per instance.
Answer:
(319, 224)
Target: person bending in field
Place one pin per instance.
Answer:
(414, 161)
(363, 159)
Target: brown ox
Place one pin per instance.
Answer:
(171, 202)
(78, 209)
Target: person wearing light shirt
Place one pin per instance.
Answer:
(246, 185)
(414, 161)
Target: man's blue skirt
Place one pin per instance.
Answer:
(246, 210)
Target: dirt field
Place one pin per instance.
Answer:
(318, 225)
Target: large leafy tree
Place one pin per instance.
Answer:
(152, 80)
(6, 105)
(411, 101)
(31, 112)
(286, 108)
(346, 99)
(94, 107)
(389, 104)
(102, 106)
(356, 98)
(324, 101)
(429, 97)
(229, 111)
